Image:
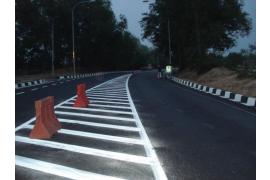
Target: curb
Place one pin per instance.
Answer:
(238, 98)
(91, 74)
(80, 75)
(29, 83)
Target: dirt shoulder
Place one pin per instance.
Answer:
(222, 78)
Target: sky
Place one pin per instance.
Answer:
(133, 10)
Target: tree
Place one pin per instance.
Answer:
(196, 27)
(101, 42)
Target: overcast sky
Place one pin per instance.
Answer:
(133, 10)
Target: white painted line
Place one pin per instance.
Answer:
(44, 86)
(86, 150)
(33, 119)
(110, 99)
(108, 93)
(96, 136)
(107, 102)
(107, 96)
(34, 89)
(95, 116)
(109, 106)
(59, 170)
(100, 91)
(102, 105)
(53, 84)
(61, 82)
(19, 93)
(156, 166)
(108, 89)
(96, 110)
(124, 128)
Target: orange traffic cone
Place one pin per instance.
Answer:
(82, 100)
(46, 122)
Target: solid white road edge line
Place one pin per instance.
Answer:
(156, 166)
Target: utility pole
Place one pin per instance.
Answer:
(52, 39)
(73, 38)
(169, 39)
(73, 43)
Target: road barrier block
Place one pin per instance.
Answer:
(46, 122)
(82, 100)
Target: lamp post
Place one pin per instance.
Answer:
(73, 40)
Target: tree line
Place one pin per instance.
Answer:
(200, 30)
(102, 42)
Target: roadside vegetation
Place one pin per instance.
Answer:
(201, 32)
(102, 42)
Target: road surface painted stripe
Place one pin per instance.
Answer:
(108, 96)
(110, 99)
(156, 166)
(107, 102)
(124, 128)
(61, 82)
(87, 150)
(59, 170)
(96, 136)
(19, 93)
(110, 89)
(101, 105)
(34, 89)
(95, 110)
(108, 93)
(95, 116)
(34, 118)
(44, 86)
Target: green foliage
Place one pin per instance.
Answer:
(101, 42)
(243, 62)
(196, 27)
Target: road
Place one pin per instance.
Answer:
(194, 135)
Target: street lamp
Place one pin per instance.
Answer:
(73, 41)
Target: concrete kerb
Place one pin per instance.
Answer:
(29, 83)
(247, 101)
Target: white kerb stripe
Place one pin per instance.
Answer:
(59, 170)
(124, 128)
(95, 110)
(250, 102)
(96, 136)
(86, 150)
(237, 98)
(218, 92)
(95, 116)
(226, 95)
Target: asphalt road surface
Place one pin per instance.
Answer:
(178, 133)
